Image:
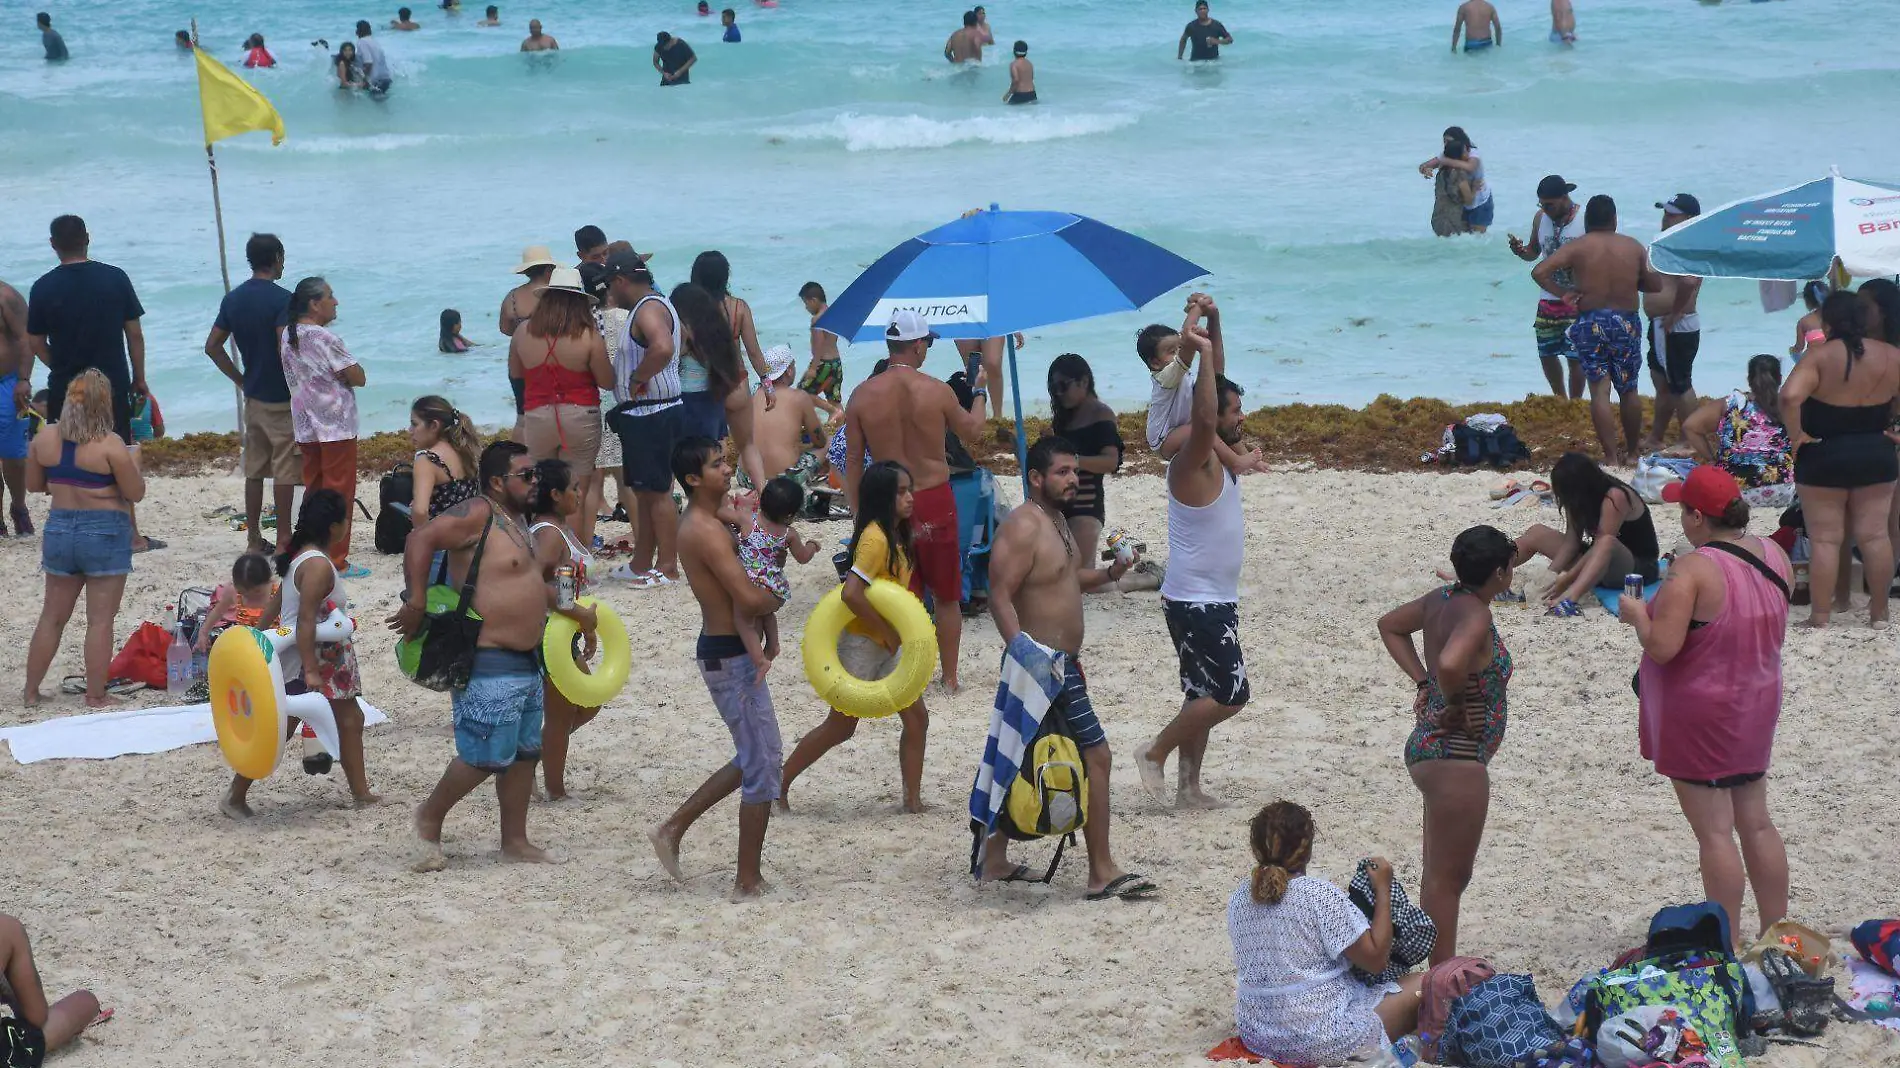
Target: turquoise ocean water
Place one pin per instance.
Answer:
(836, 131)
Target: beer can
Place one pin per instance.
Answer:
(564, 586)
(1633, 586)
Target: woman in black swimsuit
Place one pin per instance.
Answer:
(1837, 403)
(1085, 422)
(1607, 533)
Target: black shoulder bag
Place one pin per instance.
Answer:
(1753, 561)
(446, 655)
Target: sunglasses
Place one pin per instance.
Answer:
(530, 475)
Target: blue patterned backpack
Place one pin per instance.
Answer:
(1495, 1025)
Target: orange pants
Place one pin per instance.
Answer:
(332, 465)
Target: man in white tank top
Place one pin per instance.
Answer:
(649, 423)
(1206, 539)
(1559, 221)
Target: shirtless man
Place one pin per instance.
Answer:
(498, 713)
(402, 21)
(824, 376)
(1609, 269)
(966, 44)
(493, 17)
(539, 42)
(1563, 23)
(744, 701)
(1036, 585)
(1201, 594)
(16, 394)
(902, 415)
(1478, 21)
(1022, 77)
(1675, 331)
(781, 431)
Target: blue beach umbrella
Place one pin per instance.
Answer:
(1791, 234)
(993, 273)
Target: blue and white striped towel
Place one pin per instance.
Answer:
(1032, 678)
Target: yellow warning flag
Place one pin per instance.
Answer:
(231, 105)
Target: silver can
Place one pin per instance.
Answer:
(1633, 586)
(565, 587)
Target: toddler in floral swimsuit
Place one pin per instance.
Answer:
(762, 552)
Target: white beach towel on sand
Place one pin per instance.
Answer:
(104, 735)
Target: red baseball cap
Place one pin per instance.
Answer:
(1708, 489)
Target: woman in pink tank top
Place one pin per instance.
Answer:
(1710, 687)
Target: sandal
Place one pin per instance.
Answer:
(150, 544)
(1805, 1001)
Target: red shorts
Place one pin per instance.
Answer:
(934, 535)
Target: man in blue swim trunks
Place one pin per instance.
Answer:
(1478, 21)
(498, 711)
(16, 394)
(1609, 270)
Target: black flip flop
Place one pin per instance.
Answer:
(1127, 887)
(1020, 875)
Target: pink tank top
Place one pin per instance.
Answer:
(1711, 712)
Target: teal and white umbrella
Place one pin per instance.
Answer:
(1791, 234)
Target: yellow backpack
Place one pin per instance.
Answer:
(1049, 797)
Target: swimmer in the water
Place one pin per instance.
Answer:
(1022, 77)
(494, 17)
(983, 35)
(256, 55)
(1477, 17)
(1563, 23)
(537, 41)
(730, 20)
(705, 9)
(964, 46)
(183, 37)
(402, 21)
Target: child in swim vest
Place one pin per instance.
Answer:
(762, 553)
(241, 602)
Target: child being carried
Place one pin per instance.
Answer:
(762, 552)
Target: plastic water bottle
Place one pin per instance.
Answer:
(1407, 1051)
(316, 759)
(178, 663)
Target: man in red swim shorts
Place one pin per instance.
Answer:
(902, 415)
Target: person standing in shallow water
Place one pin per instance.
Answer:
(1479, 23)
(1559, 221)
(673, 58)
(1461, 712)
(50, 39)
(536, 41)
(1022, 77)
(1205, 33)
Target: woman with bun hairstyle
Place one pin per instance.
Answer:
(1296, 937)
(1710, 687)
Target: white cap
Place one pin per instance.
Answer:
(778, 360)
(907, 325)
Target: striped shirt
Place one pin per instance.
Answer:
(662, 391)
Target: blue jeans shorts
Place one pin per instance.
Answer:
(498, 715)
(1481, 214)
(90, 542)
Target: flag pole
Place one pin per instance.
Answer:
(224, 263)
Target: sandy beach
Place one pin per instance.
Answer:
(303, 934)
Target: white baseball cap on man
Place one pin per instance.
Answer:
(907, 325)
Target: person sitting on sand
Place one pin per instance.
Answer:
(312, 590)
(1837, 404)
(1295, 938)
(36, 1028)
(498, 712)
(881, 548)
(558, 497)
(768, 540)
(1710, 688)
(1744, 432)
(781, 430)
(739, 693)
(1460, 712)
(86, 546)
(242, 602)
(1608, 534)
(1170, 365)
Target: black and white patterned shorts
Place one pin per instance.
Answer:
(1207, 639)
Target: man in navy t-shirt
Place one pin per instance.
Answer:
(251, 315)
(674, 59)
(83, 314)
(1206, 34)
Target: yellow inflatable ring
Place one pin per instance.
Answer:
(247, 690)
(616, 656)
(868, 698)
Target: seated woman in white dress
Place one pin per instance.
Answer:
(1295, 938)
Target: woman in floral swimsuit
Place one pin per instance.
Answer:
(1459, 726)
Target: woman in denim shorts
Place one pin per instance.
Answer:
(87, 542)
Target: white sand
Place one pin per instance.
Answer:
(303, 934)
